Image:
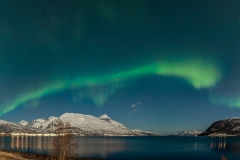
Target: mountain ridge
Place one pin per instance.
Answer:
(186, 133)
(225, 127)
(85, 125)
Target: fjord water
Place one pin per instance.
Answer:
(164, 147)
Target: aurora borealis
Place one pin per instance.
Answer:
(193, 71)
(179, 59)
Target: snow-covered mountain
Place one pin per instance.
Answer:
(41, 123)
(187, 133)
(144, 133)
(10, 127)
(102, 125)
(83, 124)
(229, 126)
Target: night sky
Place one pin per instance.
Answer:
(163, 66)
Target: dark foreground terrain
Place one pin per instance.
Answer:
(10, 155)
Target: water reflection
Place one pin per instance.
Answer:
(135, 147)
(87, 146)
(2, 141)
(29, 142)
(218, 143)
(99, 147)
(195, 145)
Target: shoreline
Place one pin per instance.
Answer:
(9, 155)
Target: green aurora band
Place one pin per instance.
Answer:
(196, 71)
(230, 101)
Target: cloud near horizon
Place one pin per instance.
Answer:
(136, 104)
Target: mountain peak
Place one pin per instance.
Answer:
(51, 117)
(23, 123)
(41, 120)
(104, 117)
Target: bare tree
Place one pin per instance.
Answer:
(64, 143)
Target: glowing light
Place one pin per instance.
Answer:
(196, 71)
(233, 101)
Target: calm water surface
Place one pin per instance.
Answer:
(166, 147)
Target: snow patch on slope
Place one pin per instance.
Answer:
(23, 123)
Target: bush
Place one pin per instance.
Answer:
(64, 143)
